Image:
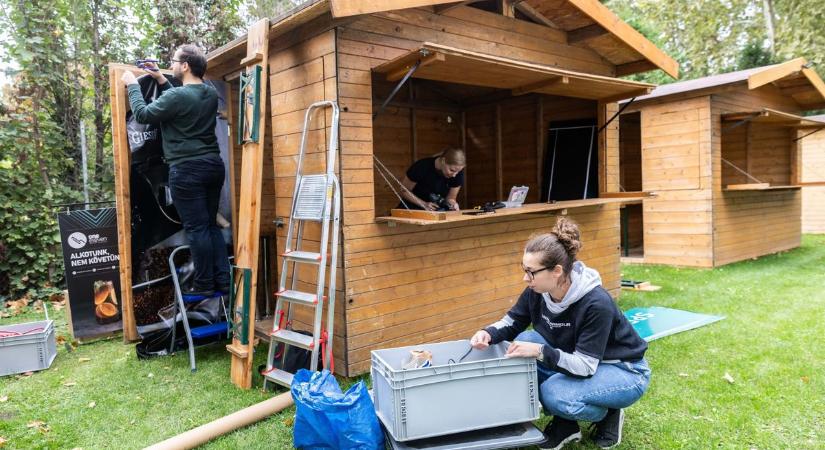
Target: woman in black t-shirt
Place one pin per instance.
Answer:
(433, 183)
(590, 359)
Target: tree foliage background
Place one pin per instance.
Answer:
(54, 84)
(709, 37)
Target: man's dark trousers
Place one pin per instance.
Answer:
(196, 188)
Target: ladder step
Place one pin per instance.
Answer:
(279, 376)
(210, 330)
(303, 298)
(306, 257)
(290, 337)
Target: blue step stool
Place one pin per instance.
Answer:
(181, 301)
(210, 330)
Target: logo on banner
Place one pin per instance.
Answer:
(77, 240)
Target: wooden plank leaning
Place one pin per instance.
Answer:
(249, 207)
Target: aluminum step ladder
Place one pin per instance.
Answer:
(201, 332)
(316, 198)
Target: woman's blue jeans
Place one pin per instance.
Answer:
(196, 189)
(613, 386)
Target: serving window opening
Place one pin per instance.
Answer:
(630, 180)
(546, 143)
(759, 149)
(519, 123)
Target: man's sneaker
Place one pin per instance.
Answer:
(559, 432)
(609, 430)
(222, 289)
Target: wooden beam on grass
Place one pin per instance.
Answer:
(247, 241)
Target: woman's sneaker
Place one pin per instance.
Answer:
(559, 432)
(609, 430)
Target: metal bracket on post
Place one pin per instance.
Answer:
(250, 97)
(240, 330)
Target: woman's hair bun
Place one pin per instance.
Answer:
(567, 232)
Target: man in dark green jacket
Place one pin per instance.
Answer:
(186, 116)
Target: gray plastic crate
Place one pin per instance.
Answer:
(27, 347)
(484, 390)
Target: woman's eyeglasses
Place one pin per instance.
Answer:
(531, 274)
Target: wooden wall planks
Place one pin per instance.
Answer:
(813, 170)
(676, 157)
(408, 284)
(303, 70)
(750, 224)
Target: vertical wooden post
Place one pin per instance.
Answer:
(247, 240)
(413, 124)
(795, 157)
(748, 159)
(123, 202)
(539, 144)
(507, 8)
(463, 138)
(230, 125)
(499, 157)
(413, 135)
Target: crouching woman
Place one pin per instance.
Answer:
(590, 359)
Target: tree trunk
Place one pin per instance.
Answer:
(38, 141)
(767, 10)
(99, 97)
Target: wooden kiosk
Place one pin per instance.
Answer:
(813, 175)
(722, 155)
(492, 77)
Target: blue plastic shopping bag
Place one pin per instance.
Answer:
(326, 418)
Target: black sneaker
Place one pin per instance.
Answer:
(559, 432)
(609, 430)
(222, 289)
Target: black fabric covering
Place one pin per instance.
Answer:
(153, 220)
(571, 150)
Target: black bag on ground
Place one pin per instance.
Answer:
(296, 357)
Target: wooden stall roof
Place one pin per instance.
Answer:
(442, 63)
(793, 78)
(533, 208)
(587, 23)
(774, 117)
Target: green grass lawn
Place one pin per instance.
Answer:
(771, 344)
